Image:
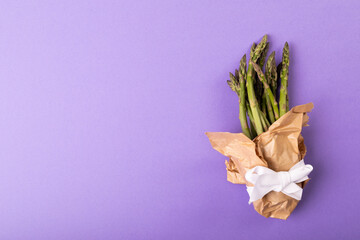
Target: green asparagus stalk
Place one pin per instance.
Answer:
(267, 90)
(252, 100)
(252, 131)
(258, 85)
(252, 128)
(284, 80)
(271, 77)
(264, 121)
(259, 90)
(249, 112)
(269, 108)
(271, 72)
(263, 103)
(237, 84)
(254, 55)
(242, 102)
(278, 72)
(256, 81)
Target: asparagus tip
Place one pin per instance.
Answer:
(231, 76)
(264, 39)
(272, 54)
(243, 62)
(243, 58)
(236, 74)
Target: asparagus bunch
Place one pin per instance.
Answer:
(260, 102)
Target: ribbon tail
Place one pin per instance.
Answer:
(293, 190)
(257, 192)
(249, 190)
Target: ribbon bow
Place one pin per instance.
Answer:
(266, 180)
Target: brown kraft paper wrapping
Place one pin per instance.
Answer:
(279, 148)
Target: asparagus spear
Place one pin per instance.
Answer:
(278, 72)
(259, 89)
(263, 103)
(254, 55)
(269, 108)
(264, 121)
(271, 77)
(252, 128)
(284, 80)
(242, 102)
(237, 84)
(258, 85)
(259, 49)
(267, 89)
(271, 72)
(252, 131)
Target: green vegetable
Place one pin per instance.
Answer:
(268, 91)
(283, 101)
(258, 93)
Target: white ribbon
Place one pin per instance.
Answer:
(266, 180)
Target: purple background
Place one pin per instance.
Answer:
(104, 106)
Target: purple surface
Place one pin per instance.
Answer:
(104, 105)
